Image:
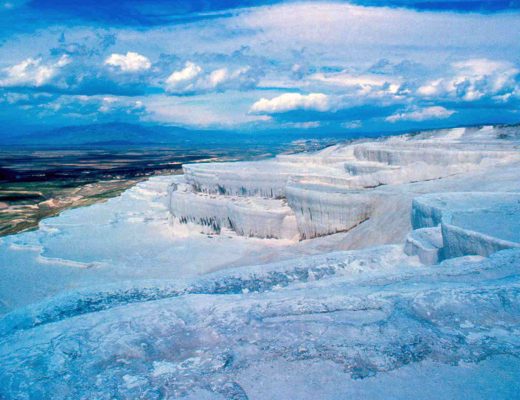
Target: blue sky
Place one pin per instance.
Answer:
(365, 65)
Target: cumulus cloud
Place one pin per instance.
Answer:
(240, 78)
(32, 72)
(423, 114)
(194, 79)
(364, 84)
(129, 62)
(362, 63)
(222, 75)
(474, 79)
(184, 77)
(358, 86)
(291, 102)
(118, 105)
(218, 76)
(81, 74)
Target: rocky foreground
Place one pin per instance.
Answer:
(381, 269)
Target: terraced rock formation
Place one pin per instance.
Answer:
(334, 190)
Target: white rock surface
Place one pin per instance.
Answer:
(426, 243)
(482, 231)
(112, 301)
(251, 216)
(330, 191)
(324, 209)
(347, 320)
(265, 179)
(473, 223)
(429, 210)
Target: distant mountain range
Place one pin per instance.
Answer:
(100, 135)
(127, 135)
(115, 134)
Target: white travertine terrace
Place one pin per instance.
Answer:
(426, 243)
(309, 195)
(247, 216)
(418, 289)
(468, 223)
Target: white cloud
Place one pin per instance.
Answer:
(352, 124)
(32, 72)
(474, 79)
(430, 89)
(193, 79)
(480, 67)
(299, 47)
(365, 82)
(207, 110)
(112, 104)
(361, 85)
(222, 76)
(423, 114)
(107, 103)
(218, 76)
(302, 125)
(334, 31)
(129, 62)
(290, 102)
(183, 77)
